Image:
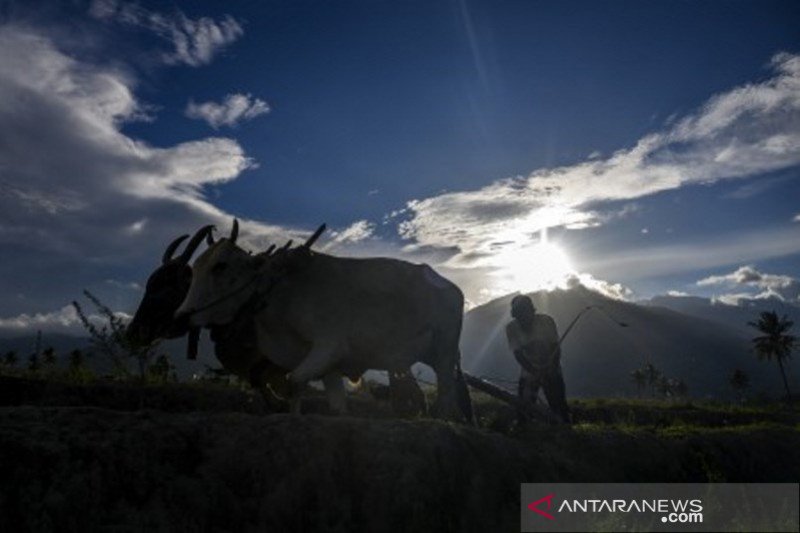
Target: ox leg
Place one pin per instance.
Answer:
(463, 397)
(445, 405)
(296, 404)
(452, 395)
(334, 389)
(407, 398)
(269, 380)
(318, 363)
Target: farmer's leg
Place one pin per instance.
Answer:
(528, 392)
(556, 394)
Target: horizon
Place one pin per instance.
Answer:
(511, 146)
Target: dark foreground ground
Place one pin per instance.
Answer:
(67, 463)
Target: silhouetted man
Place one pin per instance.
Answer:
(533, 338)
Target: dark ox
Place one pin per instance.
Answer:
(236, 343)
(165, 290)
(154, 319)
(324, 316)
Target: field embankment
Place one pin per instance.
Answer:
(170, 467)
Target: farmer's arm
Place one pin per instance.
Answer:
(519, 355)
(515, 344)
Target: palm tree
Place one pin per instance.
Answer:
(49, 357)
(10, 358)
(681, 388)
(653, 376)
(739, 382)
(33, 363)
(75, 359)
(161, 369)
(77, 370)
(775, 343)
(640, 379)
(664, 386)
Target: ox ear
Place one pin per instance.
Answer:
(234, 231)
(170, 251)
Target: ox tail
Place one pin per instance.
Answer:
(462, 393)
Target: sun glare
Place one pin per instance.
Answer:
(543, 265)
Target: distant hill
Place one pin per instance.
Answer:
(63, 344)
(693, 344)
(735, 316)
(25, 345)
(690, 338)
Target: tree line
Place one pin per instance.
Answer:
(775, 343)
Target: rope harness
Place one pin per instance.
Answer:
(224, 297)
(257, 302)
(243, 317)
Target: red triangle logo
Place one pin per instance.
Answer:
(535, 506)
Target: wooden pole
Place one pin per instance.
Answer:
(528, 410)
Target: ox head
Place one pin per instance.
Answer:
(226, 278)
(166, 289)
(223, 281)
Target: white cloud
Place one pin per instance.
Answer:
(127, 285)
(796, 218)
(235, 108)
(764, 285)
(64, 317)
(642, 262)
(732, 298)
(64, 320)
(677, 294)
(615, 291)
(747, 131)
(195, 42)
(355, 232)
(79, 196)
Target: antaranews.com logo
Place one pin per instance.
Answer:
(660, 506)
(673, 511)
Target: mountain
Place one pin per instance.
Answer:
(25, 345)
(690, 338)
(63, 344)
(598, 356)
(735, 316)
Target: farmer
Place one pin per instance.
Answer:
(533, 339)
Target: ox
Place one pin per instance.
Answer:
(235, 344)
(321, 315)
(165, 290)
(154, 319)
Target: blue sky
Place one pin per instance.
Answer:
(657, 142)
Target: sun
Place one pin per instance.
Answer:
(543, 265)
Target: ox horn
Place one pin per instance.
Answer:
(234, 231)
(210, 237)
(197, 238)
(171, 249)
(270, 250)
(311, 240)
(287, 245)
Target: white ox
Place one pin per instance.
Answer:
(324, 316)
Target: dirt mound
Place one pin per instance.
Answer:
(83, 468)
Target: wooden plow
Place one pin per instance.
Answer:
(534, 412)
